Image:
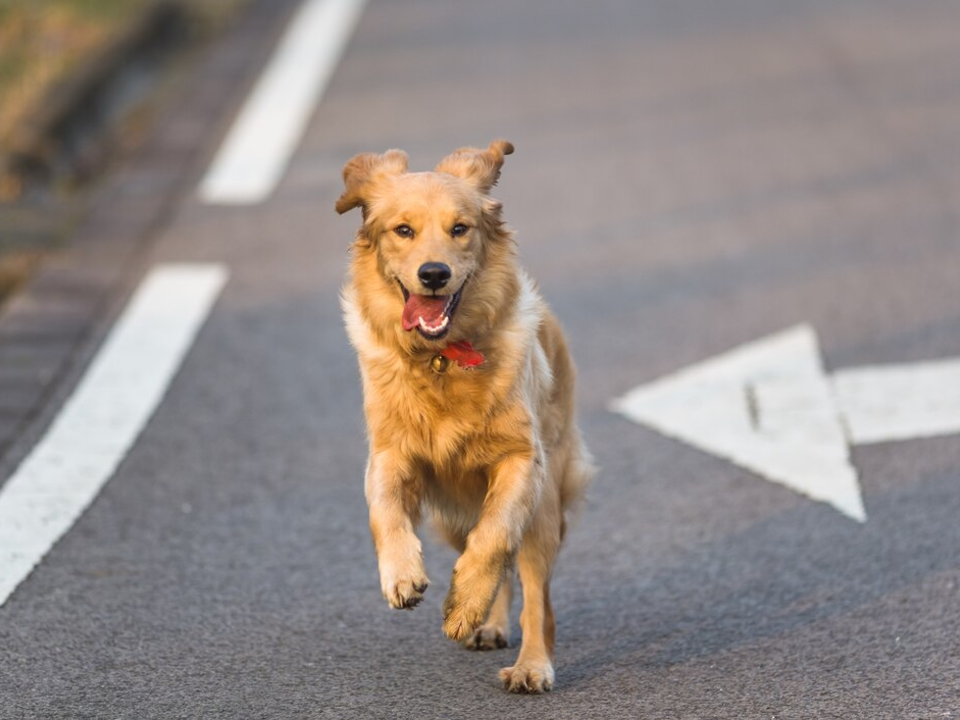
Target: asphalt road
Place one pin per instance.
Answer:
(690, 175)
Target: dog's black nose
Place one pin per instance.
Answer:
(434, 275)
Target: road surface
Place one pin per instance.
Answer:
(690, 176)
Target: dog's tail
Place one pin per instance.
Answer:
(579, 471)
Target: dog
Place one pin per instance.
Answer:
(468, 391)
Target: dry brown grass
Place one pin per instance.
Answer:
(42, 40)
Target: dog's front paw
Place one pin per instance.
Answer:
(461, 618)
(403, 584)
(527, 677)
(472, 590)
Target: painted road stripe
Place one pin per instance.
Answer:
(103, 417)
(258, 147)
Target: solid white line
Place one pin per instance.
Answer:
(255, 153)
(103, 417)
(899, 402)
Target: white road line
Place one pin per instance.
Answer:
(103, 417)
(255, 153)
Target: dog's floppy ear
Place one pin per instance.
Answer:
(478, 167)
(363, 171)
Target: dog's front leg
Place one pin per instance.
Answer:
(394, 497)
(515, 486)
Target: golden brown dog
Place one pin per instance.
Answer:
(468, 396)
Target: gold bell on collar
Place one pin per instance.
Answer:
(439, 364)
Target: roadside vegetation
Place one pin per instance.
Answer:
(42, 44)
(41, 40)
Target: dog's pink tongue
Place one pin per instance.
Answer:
(422, 306)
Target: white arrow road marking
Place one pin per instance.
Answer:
(258, 147)
(101, 420)
(767, 407)
(900, 402)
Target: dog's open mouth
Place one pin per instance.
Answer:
(429, 314)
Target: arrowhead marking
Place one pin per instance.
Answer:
(767, 407)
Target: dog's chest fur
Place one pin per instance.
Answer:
(464, 420)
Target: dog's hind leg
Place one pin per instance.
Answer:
(494, 634)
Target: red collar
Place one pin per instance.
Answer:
(463, 354)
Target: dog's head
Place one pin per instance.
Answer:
(429, 231)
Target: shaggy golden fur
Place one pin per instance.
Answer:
(492, 451)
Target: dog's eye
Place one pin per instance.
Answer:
(404, 231)
(459, 230)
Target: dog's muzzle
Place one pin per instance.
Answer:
(430, 315)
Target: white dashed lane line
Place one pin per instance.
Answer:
(101, 420)
(258, 147)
